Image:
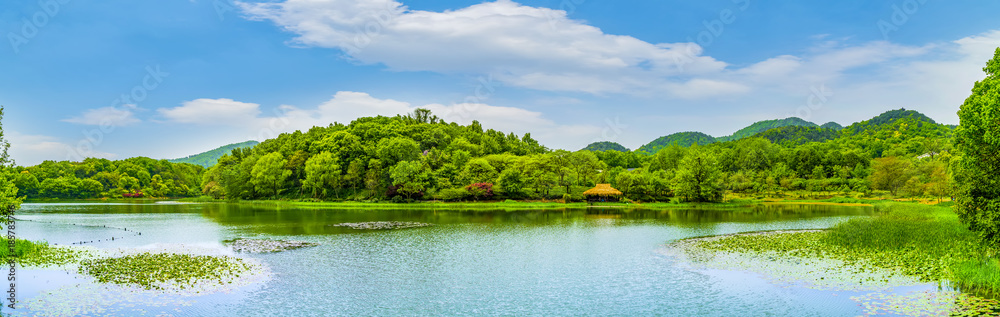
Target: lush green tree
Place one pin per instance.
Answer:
(478, 171)
(584, 164)
(890, 173)
(410, 177)
(511, 182)
(355, 175)
(699, 177)
(373, 178)
(977, 179)
(398, 149)
(322, 174)
(269, 174)
(9, 201)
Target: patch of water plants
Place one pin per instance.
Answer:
(38, 254)
(163, 271)
(266, 245)
(381, 225)
(926, 243)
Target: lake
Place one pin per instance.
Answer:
(596, 262)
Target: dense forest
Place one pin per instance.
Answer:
(96, 178)
(210, 158)
(419, 157)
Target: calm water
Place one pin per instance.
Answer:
(598, 262)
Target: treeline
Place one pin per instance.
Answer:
(419, 157)
(98, 178)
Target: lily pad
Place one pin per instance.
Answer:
(381, 225)
(266, 245)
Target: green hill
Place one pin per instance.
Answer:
(832, 126)
(208, 159)
(605, 146)
(888, 118)
(897, 133)
(761, 126)
(683, 139)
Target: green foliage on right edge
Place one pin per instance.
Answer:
(8, 192)
(978, 139)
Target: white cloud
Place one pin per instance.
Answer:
(213, 111)
(345, 106)
(107, 116)
(28, 150)
(537, 48)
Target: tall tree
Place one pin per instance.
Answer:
(977, 173)
(410, 177)
(322, 174)
(8, 192)
(890, 173)
(699, 177)
(269, 174)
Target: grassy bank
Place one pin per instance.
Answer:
(928, 242)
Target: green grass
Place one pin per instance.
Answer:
(31, 253)
(928, 242)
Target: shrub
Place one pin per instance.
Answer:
(477, 190)
(452, 194)
(567, 198)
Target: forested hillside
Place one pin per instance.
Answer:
(682, 139)
(798, 135)
(606, 146)
(209, 158)
(761, 126)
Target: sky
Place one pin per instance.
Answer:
(171, 78)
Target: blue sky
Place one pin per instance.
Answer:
(197, 74)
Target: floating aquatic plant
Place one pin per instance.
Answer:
(266, 245)
(158, 271)
(381, 225)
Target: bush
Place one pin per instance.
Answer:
(398, 199)
(452, 194)
(509, 201)
(477, 190)
(567, 198)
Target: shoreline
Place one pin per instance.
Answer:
(481, 205)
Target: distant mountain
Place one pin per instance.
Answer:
(605, 146)
(208, 159)
(832, 126)
(683, 139)
(797, 135)
(761, 126)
